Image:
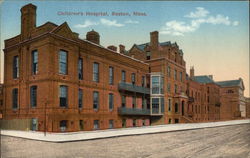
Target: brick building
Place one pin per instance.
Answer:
(1, 101)
(64, 83)
(167, 70)
(232, 99)
(206, 105)
(247, 107)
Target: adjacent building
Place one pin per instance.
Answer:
(1, 101)
(63, 83)
(232, 99)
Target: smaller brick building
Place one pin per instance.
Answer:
(204, 99)
(1, 101)
(232, 99)
(247, 100)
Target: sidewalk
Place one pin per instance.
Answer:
(88, 135)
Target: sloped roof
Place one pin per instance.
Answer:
(142, 46)
(229, 83)
(203, 79)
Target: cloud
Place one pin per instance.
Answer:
(87, 23)
(199, 13)
(131, 22)
(219, 19)
(110, 23)
(199, 17)
(235, 23)
(177, 28)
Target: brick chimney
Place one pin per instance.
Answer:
(211, 77)
(122, 48)
(114, 48)
(28, 20)
(154, 39)
(93, 36)
(192, 72)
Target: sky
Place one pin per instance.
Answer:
(214, 36)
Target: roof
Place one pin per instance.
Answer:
(203, 79)
(229, 83)
(142, 46)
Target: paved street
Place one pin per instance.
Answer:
(220, 142)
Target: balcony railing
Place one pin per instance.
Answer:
(133, 88)
(133, 111)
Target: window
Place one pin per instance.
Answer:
(111, 101)
(157, 85)
(181, 77)
(134, 102)
(143, 83)
(175, 74)
(155, 105)
(15, 67)
(80, 69)
(161, 85)
(176, 108)
(144, 103)
(81, 125)
(169, 105)
(63, 96)
(63, 125)
(134, 122)
(111, 124)
(133, 78)
(111, 75)
(169, 71)
(96, 72)
(123, 76)
(123, 101)
(33, 96)
(176, 120)
(15, 98)
(63, 58)
(143, 122)
(162, 105)
(123, 122)
(95, 100)
(96, 124)
(169, 88)
(148, 55)
(34, 124)
(175, 89)
(230, 91)
(34, 65)
(80, 98)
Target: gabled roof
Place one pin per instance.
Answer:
(203, 79)
(231, 83)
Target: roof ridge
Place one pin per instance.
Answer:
(227, 81)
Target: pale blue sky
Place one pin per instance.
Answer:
(214, 36)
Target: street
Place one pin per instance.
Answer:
(220, 142)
